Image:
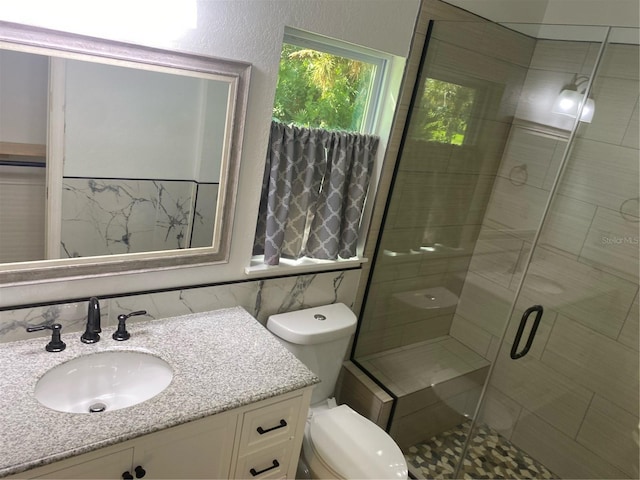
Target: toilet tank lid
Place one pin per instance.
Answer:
(314, 325)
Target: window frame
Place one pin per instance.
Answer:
(379, 114)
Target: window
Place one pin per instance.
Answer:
(321, 151)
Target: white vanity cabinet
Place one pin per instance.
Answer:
(270, 440)
(260, 440)
(99, 465)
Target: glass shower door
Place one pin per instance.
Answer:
(479, 156)
(501, 205)
(411, 338)
(564, 384)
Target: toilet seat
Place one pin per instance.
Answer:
(354, 447)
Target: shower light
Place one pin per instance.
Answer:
(570, 100)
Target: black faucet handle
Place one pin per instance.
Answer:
(121, 333)
(92, 332)
(93, 315)
(56, 344)
(132, 314)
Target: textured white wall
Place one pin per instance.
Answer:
(247, 30)
(115, 127)
(26, 74)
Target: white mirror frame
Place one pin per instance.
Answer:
(50, 42)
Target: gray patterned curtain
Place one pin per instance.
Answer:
(334, 231)
(295, 165)
(314, 187)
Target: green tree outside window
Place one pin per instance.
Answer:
(318, 89)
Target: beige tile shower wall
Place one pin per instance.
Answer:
(572, 402)
(441, 190)
(430, 10)
(362, 394)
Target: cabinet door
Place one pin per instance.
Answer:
(199, 449)
(269, 425)
(110, 466)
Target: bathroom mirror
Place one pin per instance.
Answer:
(114, 157)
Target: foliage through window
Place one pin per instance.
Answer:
(322, 90)
(445, 110)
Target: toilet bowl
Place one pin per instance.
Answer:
(341, 443)
(338, 442)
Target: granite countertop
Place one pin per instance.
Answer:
(221, 360)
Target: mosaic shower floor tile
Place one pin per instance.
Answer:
(490, 456)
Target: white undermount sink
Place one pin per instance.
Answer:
(103, 381)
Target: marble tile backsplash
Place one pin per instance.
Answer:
(260, 298)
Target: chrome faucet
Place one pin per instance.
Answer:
(91, 334)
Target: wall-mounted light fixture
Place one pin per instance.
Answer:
(570, 100)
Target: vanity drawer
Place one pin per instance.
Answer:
(270, 424)
(272, 462)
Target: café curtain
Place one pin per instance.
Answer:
(313, 191)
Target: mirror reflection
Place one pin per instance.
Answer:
(114, 157)
(139, 152)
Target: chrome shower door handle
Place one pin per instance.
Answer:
(523, 322)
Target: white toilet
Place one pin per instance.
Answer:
(338, 442)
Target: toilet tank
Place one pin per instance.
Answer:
(319, 338)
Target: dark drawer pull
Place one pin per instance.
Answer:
(262, 431)
(255, 473)
(523, 322)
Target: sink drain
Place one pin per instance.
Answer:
(97, 407)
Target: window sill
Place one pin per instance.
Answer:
(303, 265)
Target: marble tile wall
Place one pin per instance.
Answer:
(441, 190)
(572, 402)
(101, 217)
(260, 298)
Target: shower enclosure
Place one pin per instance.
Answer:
(501, 312)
